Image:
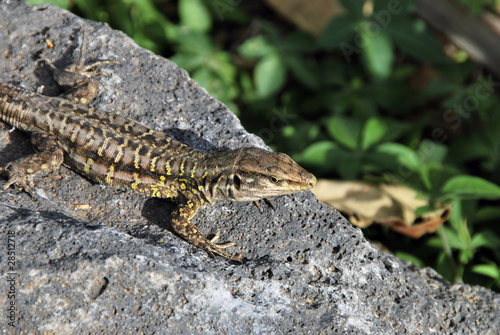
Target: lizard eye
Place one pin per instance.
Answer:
(274, 180)
(237, 182)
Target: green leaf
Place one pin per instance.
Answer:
(228, 10)
(413, 38)
(255, 47)
(487, 213)
(465, 256)
(454, 240)
(346, 131)
(430, 151)
(406, 157)
(318, 154)
(434, 242)
(205, 78)
(458, 219)
(269, 75)
(195, 15)
(215, 85)
(485, 238)
(409, 257)
(490, 270)
(340, 30)
(65, 4)
(187, 61)
(391, 128)
(247, 87)
(373, 132)
(470, 187)
(220, 63)
(478, 240)
(377, 53)
(424, 209)
(197, 44)
(445, 267)
(434, 174)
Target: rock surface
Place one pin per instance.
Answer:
(91, 259)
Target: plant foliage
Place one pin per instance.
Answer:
(374, 97)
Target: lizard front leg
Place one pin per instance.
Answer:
(181, 223)
(21, 171)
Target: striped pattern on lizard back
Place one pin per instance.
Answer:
(108, 148)
(115, 150)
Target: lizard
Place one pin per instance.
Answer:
(114, 150)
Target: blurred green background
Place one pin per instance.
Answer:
(356, 102)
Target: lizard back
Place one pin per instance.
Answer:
(108, 148)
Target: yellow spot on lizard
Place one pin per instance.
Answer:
(103, 146)
(137, 157)
(193, 169)
(119, 155)
(168, 169)
(110, 174)
(182, 167)
(89, 162)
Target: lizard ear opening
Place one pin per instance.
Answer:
(237, 182)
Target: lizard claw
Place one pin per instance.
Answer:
(213, 248)
(267, 201)
(22, 181)
(222, 245)
(218, 249)
(182, 225)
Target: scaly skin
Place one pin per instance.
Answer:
(114, 150)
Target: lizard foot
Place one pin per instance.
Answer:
(21, 178)
(222, 246)
(191, 234)
(77, 79)
(21, 171)
(213, 248)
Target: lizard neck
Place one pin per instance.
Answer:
(216, 174)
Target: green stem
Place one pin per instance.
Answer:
(449, 254)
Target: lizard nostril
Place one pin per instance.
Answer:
(312, 181)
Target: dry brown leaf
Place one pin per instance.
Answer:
(419, 229)
(310, 15)
(390, 205)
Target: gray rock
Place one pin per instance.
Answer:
(114, 268)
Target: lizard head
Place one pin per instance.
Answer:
(260, 174)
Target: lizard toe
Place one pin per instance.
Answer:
(217, 249)
(220, 245)
(17, 178)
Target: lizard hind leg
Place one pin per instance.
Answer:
(78, 82)
(181, 223)
(76, 78)
(21, 171)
